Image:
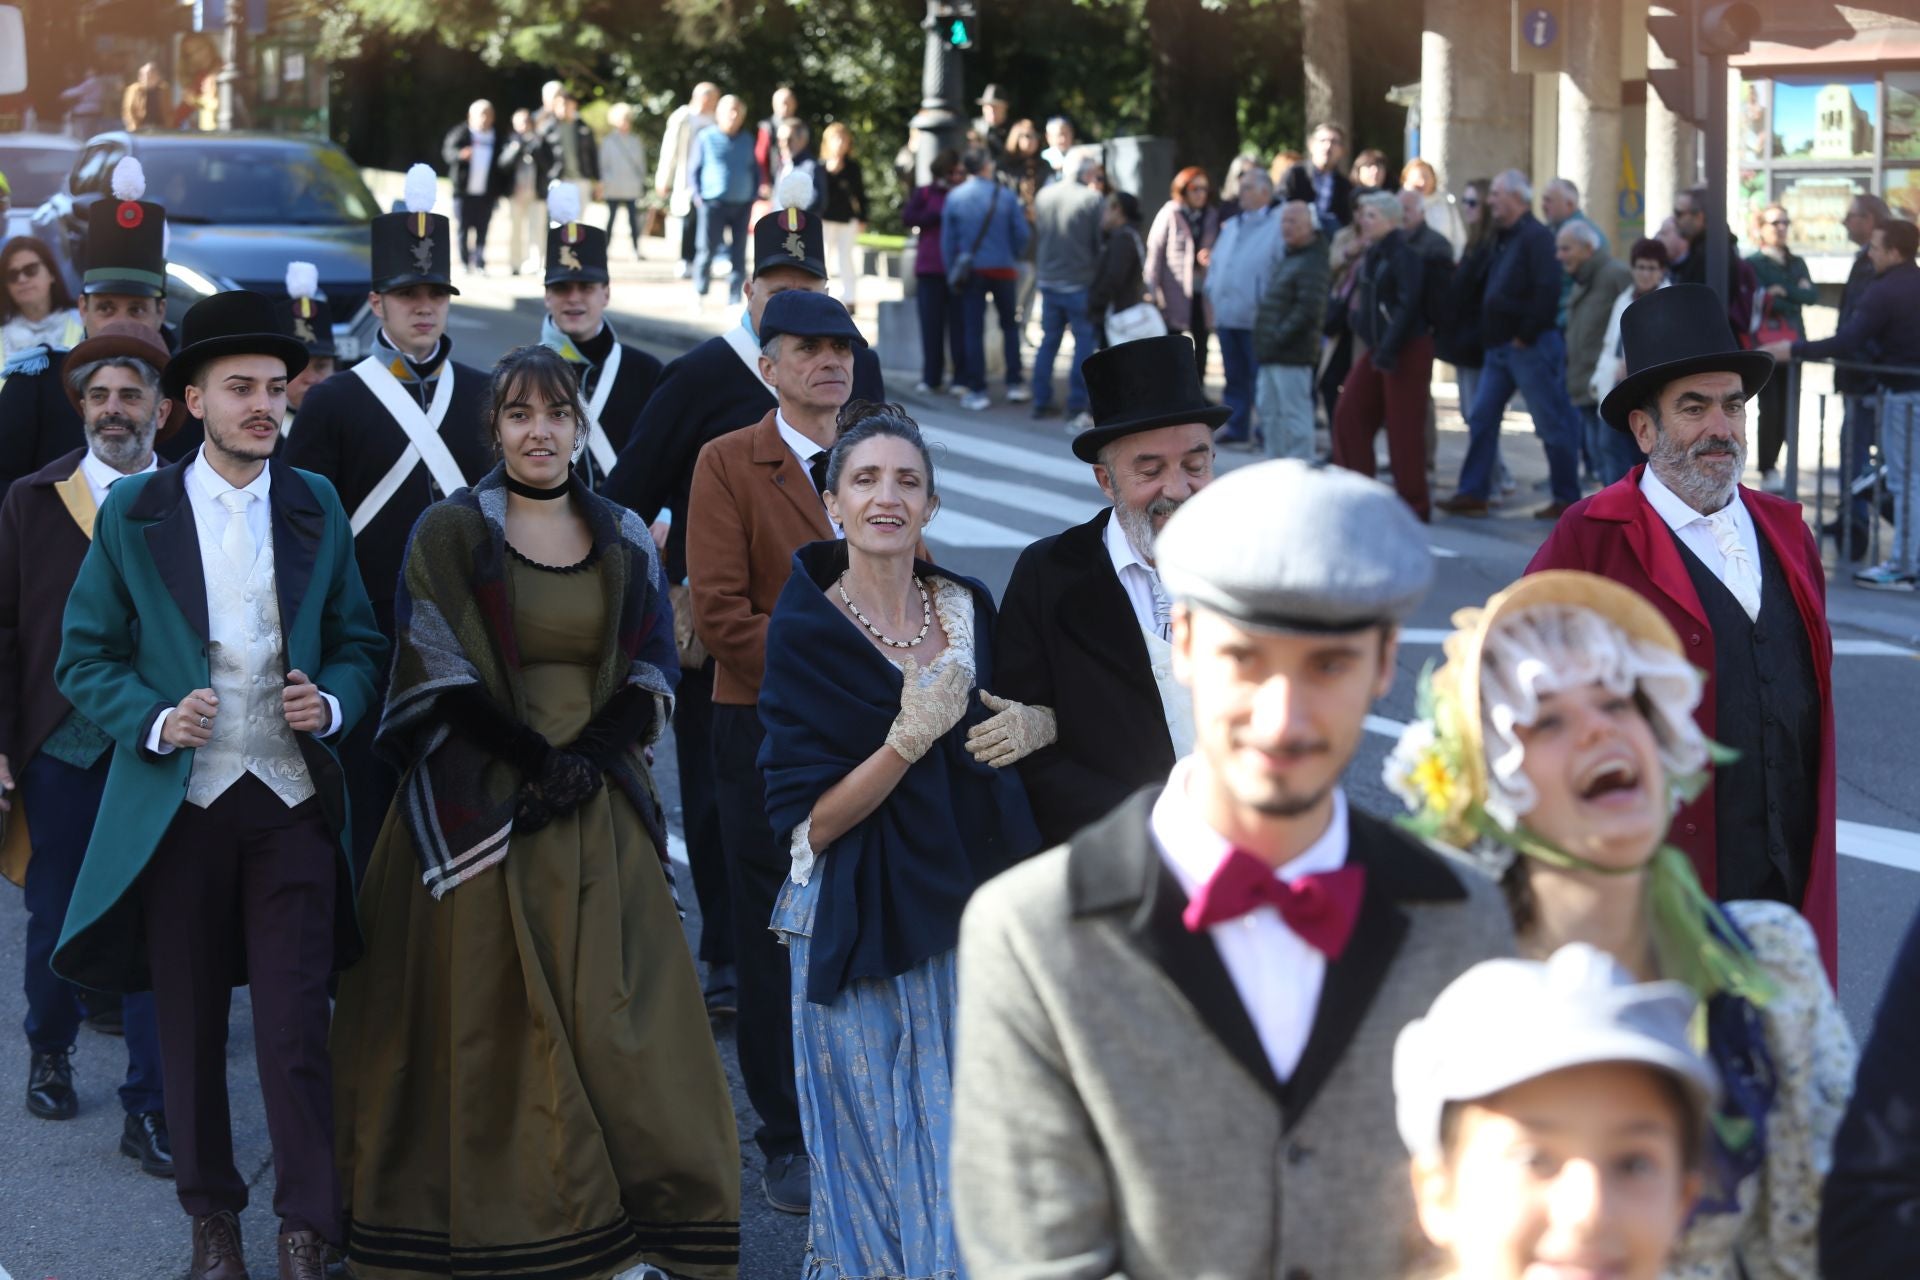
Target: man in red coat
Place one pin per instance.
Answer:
(1738, 574)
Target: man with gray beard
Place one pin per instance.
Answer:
(1085, 626)
(53, 760)
(1738, 575)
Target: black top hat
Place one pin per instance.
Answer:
(790, 237)
(1140, 385)
(236, 323)
(576, 251)
(126, 248)
(410, 249)
(993, 94)
(807, 314)
(1674, 333)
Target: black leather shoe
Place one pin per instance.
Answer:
(50, 1086)
(145, 1139)
(788, 1183)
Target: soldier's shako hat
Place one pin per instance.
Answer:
(126, 247)
(575, 250)
(790, 236)
(305, 312)
(415, 245)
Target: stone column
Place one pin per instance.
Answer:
(1476, 115)
(1672, 150)
(1590, 113)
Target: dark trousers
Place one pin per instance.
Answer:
(719, 221)
(757, 866)
(1371, 397)
(1005, 292)
(1198, 331)
(614, 209)
(1538, 372)
(247, 882)
(700, 811)
(1772, 401)
(940, 328)
(476, 212)
(61, 803)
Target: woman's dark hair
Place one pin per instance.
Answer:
(1128, 206)
(1482, 229)
(59, 300)
(530, 374)
(945, 162)
(863, 420)
(1648, 250)
(1371, 156)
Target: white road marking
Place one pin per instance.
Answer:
(1014, 459)
(1021, 497)
(957, 529)
(1887, 846)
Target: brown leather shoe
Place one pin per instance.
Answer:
(1552, 511)
(1463, 504)
(216, 1248)
(303, 1256)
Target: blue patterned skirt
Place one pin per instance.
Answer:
(876, 1108)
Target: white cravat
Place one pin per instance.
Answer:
(1741, 575)
(1162, 606)
(236, 541)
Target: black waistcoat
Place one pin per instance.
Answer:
(1766, 707)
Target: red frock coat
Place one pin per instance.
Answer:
(1616, 533)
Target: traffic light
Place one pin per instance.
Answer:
(954, 21)
(959, 33)
(1689, 32)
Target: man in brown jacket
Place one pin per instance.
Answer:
(755, 501)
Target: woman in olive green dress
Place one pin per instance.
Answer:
(526, 1083)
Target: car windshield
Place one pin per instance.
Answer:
(34, 173)
(272, 184)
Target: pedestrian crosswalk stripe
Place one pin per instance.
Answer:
(1021, 497)
(1018, 461)
(957, 529)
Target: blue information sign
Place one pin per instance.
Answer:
(1539, 28)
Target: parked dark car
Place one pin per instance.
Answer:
(36, 166)
(240, 206)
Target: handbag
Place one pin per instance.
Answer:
(962, 269)
(1769, 325)
(1142, 319)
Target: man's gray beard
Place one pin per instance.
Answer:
(1673, 463)
(123, 453)
(1137, 524)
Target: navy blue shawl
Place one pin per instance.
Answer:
(895, 885)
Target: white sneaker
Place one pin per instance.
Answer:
(1082, 421)
(958, 391)
(1018, 395)
(923, 388)
(975, 401)
(1772, 482)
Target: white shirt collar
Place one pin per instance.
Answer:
(1193, 850)
(210, 484)
(1678, 515)
(803, 445)
(100, 476)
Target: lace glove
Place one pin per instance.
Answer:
(619, 725)
(927, 712)
(1013, 733)
(568, 780)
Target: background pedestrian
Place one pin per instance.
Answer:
(1179, 246)
(845, 213)
(623, 172)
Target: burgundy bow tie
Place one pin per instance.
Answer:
(1320, 908)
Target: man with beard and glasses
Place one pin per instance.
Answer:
(1175, 1032)
(53, 760)
(219, 635)
(1085, 627)
(1738, 574)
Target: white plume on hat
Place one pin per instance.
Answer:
(563, 202)
(422, 188)
(129, 179)
(795, 190)
(303, 280)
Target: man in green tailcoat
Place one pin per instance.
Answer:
(220, 635)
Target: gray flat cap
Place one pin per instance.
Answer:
(1505, 1022)
(1291, 546)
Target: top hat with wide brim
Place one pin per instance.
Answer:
(1140, 385)
(123, 340)
(993, 94)
(1674, 333)
(238, 322)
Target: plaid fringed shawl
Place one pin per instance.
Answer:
(454, 628)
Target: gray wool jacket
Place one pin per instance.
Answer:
(1115, 1115)
(1286, 329)
(1596, 285)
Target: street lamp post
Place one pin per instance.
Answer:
(941, 121)
(229, 116)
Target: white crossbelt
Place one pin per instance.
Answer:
(597, 442)
(423, 437)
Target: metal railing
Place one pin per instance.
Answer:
(1866, 490)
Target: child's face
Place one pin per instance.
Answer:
(1577, 1175)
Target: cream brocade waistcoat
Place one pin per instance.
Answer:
(251, 733)
(1176, 703)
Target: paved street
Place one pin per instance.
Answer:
(75, 1210)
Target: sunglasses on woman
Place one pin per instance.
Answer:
(25, 272)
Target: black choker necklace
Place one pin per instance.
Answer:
(560, 490)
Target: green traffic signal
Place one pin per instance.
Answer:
(958, 35)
